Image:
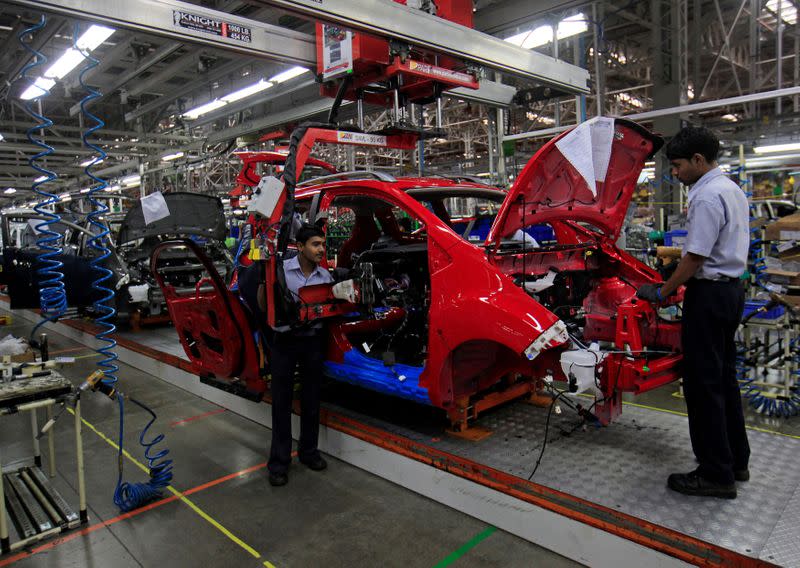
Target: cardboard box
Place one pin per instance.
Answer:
(28, 357)
(783, 277)
(784, 229)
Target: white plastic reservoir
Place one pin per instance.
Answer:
(582, 363)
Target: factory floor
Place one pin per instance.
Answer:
(222, 510)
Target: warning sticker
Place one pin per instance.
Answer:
(337, 51)
(361, 138)
(440, 72)
(207, 25)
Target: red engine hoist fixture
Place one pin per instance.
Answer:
(390, 73)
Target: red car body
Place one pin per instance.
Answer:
(480, 336)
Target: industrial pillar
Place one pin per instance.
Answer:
(667, 92)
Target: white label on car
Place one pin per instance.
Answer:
(361, 138)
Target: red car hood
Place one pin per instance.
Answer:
(588, 173)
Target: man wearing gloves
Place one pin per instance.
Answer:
(304, 348)
(714, 258)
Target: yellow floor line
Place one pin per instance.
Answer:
(213, 522)
(755, 428)
(88, 356)
(677, 413)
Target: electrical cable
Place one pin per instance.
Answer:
(546, 431)
(127, 496)
(52, 292)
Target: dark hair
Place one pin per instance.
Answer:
(308, 231)
(693, 140)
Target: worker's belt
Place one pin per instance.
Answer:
(719, 279)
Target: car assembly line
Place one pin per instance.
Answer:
(494, 196)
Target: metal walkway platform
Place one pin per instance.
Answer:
(624, 466)
(610, 481)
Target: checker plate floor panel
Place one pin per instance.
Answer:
(624, 466)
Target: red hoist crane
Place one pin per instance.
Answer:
(485, 339)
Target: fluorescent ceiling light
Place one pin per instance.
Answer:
(631, 100)
(65, 197)
(777, 148)
(203, 109)
(40, 178)
(91, 162)
(2, 137)
(788, 11)
(130, 179)
(288, 74)
(543, 35)
(261, 85)
(113, 188)
(39, 88)
(86, 190)
(93, 37)
(10, 191)
(71, 58)
(170, 157)
(64, 64)
(247, 91)
(760, 160)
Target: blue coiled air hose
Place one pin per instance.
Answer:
(52, 293)
(127, 496)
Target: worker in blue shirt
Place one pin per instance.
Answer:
(293, 347)
(714, 258)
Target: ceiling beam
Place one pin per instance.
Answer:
(189, 88)
(6, 125)
(499, 17)
(162, 52)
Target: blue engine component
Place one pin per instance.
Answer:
(396, 380)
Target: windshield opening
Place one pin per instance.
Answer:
(471, 214)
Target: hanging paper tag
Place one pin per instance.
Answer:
(154, 207)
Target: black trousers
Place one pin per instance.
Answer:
(286, 352)
(712, 311)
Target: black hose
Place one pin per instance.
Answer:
(333, 114)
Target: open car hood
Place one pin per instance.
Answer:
(588, 174)
(189, 214)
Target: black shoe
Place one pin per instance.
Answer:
(278, 479)
(317, 463)
(741, 474)
(692, 484)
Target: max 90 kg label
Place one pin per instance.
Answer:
(204, 24)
